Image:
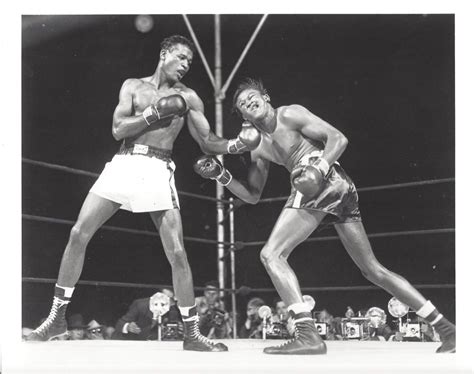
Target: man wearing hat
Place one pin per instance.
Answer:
(76, 327)
(94, 331)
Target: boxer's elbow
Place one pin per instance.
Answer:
(341, 141)
(117, 133)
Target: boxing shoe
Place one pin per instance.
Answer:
(447, 334)
(195, 341)
(54, 326)
(306, 341)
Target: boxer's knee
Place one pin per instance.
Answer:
(271, 254)
(375, 273)
(79, 235)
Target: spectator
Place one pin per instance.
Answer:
(214, 321)
(378, 328)
(331, 325)
(252, 328)
(76, 327)
(109, 332)
(94, 331)
(138, 322)
(281, 313)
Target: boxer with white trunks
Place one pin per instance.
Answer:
(140, 178)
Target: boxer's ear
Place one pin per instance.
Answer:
(266, 97)
(163, 54)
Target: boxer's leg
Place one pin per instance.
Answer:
(356, 243)
(168, 224)
(293, 227)
(94, 213)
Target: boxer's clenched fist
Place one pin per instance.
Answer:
(247, 140)
(209, 167)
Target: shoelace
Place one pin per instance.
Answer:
(291, 340)
(196, 334)
(57, 303)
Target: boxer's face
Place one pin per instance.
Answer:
(252, 104)
(176, 61)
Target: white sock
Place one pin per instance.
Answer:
(299, 308)
(67, 290)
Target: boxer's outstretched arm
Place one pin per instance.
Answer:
(125, 124)
(251, 189)
(315, 128)
(200, 129)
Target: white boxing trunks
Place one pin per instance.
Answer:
(140, 182)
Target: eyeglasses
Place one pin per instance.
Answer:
(96, 331)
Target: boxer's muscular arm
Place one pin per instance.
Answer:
(315, 128)
(251, 189)
(199, 127)
(125, 124)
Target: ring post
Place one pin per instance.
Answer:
(232, 267)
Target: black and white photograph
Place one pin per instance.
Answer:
(271, 192)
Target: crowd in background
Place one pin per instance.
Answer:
(215, 322)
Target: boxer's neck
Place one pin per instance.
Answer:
(268, 123)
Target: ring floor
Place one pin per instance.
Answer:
(244, 356)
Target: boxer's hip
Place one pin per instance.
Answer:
(338, 198)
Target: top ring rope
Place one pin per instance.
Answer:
(377, 188)
(92, 174)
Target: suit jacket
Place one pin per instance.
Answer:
(139, 312)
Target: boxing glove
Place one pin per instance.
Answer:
(166, 107)
(247, 140)
(310, 179)
(210, 167)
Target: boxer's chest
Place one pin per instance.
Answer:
(280, 145)
(146, 95)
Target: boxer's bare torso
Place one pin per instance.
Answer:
(284, 144)
(162, 134)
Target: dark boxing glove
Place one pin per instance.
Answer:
(310, 179)
(247, 140)
(210, 167)
(166, 107)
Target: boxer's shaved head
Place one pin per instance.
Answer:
(171, 41)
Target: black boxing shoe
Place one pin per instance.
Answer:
(447, 334)
(306, 341)
(54, 326)
(195, 341)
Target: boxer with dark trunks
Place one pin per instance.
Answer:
(148, 118)
(309, 148)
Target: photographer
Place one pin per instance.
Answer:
(214, 321)
(252, 328)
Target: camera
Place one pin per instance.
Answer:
(216, 317)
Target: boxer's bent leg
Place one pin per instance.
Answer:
(293, 227)
(169, 226)
(94, 213)
(356, 243)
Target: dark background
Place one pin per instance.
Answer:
(385, 81)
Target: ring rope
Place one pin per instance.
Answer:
(241, 290)
(238, 245)
(91, 174)
(374, 235)
(376, 188)
(115, 228)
